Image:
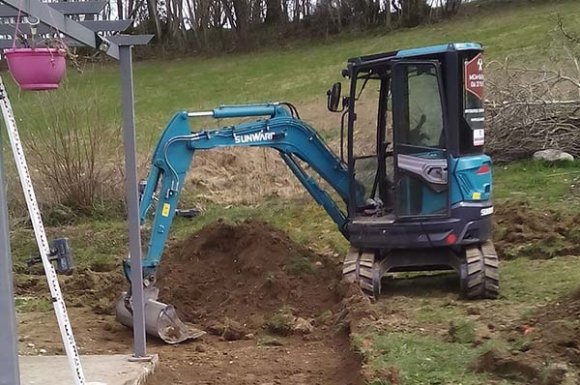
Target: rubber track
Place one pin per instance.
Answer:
(482, 268)
(358, 268)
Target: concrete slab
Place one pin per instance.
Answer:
(99, 369)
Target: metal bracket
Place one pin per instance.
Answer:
(185, 213)
(61, 253)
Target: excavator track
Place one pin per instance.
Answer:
(359, 267)
(480, 272)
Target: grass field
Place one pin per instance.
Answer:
(540, 185)
(301, 73)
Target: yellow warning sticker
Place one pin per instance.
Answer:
(165, 210)
(475, 196)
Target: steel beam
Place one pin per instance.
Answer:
(123, 39)
(66, 8)
(9, 371)
(93, 25)
(7, 43)
(131, 187)
(65, 25)
(116, 39)
(134, 39)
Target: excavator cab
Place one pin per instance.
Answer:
(414, 140)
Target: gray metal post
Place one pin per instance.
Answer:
(9, 373)
(126, 62)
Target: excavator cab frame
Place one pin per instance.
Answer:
(433, 198)
(416, 131)
(419, 183)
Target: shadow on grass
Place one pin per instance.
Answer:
(422, 285)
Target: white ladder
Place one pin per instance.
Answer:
(43, 247)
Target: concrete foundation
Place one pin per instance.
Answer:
(98, 369)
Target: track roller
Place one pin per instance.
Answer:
(359, 267)
(480, 272)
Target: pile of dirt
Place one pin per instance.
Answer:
(250, 274)
(544, 350)
(555, 330)
(233, 280)
(514, 367)
(522, 231)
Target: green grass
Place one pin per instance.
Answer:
(422, 359)
(540, 184)
(530, 282)
(525, 284)
(436, 313)
(300, 73)
(432, 337)
(98, 245)
(32, 304)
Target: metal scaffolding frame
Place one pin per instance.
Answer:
(119, 46)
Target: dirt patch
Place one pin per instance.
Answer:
(524, 368)
(521, 231)
(544, 349)
(247, 273)
(506, 366)
(241, 283)
(296, 362)
(555, 330)
(275, 307)
(98, 291)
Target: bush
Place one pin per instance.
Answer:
(73, 148)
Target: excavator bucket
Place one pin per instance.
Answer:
(161, 320)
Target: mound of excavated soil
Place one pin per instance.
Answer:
(545, 349)
(556, 330)
(245, 273)
(522, 231)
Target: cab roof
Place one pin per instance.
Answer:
(416, 52)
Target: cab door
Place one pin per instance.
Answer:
(419, 137)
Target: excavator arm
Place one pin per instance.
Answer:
(280, 129)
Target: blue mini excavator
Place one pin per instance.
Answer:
(414, 184)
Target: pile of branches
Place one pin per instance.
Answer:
(530, 110)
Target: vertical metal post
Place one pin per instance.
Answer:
(126, 62)
(9, 373)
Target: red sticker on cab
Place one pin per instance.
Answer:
(474, 76)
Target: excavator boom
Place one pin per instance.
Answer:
(279, 129)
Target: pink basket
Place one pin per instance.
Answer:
(36, 68)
